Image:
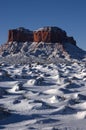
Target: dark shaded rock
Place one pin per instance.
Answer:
(71, 40)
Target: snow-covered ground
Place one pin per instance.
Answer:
(43, 96)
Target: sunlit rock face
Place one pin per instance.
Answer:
(50, 34)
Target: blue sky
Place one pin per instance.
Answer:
(70, 15)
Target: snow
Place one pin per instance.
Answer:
(43, 87)
(43, 96)
(32, 52)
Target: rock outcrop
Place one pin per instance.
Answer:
(50, 34)
(46, 34)
(20, 35)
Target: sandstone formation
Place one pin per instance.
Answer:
(50, 34)
(20, 35)
(46, 34)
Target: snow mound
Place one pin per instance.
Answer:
(43, 96)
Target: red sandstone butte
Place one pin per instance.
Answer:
(46, 34)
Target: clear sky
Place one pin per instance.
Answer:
(70, 15)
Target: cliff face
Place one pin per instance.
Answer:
(42, 35)
(20, 35)
(46, 34)
(50, 34)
